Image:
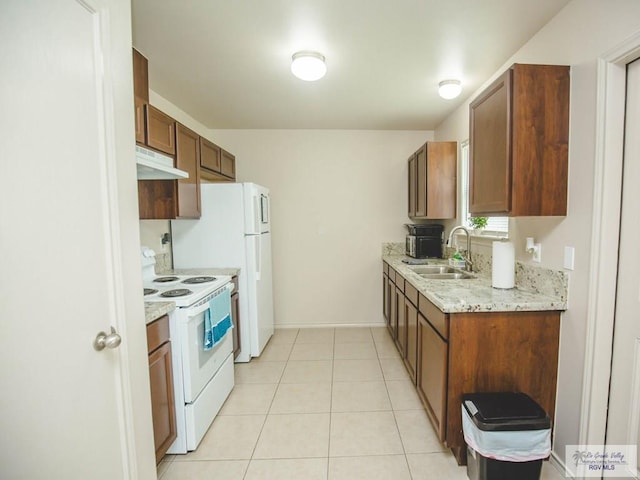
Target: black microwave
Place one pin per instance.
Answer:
(425, 241)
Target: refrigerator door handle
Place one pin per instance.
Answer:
(264, 209)
(258, 251)
(256, 214)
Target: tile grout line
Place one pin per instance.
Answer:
(333, 359)
(393, 410)
(244, 476)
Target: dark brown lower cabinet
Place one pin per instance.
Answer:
(401, 337)
(432, 375)
(500, 352)
(450, 354)
(385, 299)
(411, 351)
(161, 379)
(393, 310)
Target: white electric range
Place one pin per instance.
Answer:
(202, 378)
(184, 290)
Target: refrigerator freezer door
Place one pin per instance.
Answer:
(260, 290)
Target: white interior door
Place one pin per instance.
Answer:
(623, 423)
(68, 233)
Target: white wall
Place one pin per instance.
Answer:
(336, 196)
(577, 36)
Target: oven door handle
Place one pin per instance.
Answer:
(205, 305)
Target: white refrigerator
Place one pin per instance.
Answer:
(234, 231)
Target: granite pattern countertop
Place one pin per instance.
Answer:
(154, 310)
(473, 295)
(202, 271)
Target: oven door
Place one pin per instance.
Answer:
(200, 365)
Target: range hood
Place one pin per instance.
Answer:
(156, 166)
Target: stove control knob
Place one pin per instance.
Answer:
(103, 340)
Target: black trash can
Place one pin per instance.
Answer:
(507, 435)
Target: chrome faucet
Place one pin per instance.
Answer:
(468, 264)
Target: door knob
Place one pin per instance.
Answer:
(104, 340)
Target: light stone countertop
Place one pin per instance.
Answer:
(203, 271)
(154, 310)
(473, 295)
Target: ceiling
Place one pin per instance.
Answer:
(227, 62)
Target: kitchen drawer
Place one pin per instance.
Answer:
(385, 268)
(400, 282)
(438, 319)
(234, 280)
(157, 333)
(411, 293)
(392, 275)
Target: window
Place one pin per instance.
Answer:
(498, 225)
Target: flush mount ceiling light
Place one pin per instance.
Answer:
(308, 66)
(449, 89)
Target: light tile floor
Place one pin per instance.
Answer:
(322, 404)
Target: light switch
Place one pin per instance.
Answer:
(569, 258)
(537, 252)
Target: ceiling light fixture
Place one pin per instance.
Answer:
(308, 66)
(449, 89)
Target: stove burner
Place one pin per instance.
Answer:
(150, 291)
(178, 292)
(194, 280)
(165, 279)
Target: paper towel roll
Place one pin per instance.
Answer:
(503, 269)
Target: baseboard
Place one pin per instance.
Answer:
(328, 325)
(559, 465)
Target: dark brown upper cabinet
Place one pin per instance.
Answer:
(160, 130)
(154, 128)
(432, 181)
(412, 186)
(228, 165)
(188, 159)
(210, 155)
(216, 164)
(169, 199)
(140, 92)
(518, 143)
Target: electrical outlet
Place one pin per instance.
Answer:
(537, 252)
(569, 258)
(165, 239)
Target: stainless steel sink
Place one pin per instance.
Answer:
(433, 269)
(447, 276)
(440, 272)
